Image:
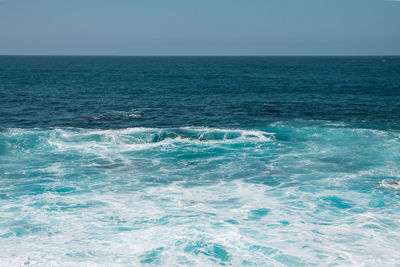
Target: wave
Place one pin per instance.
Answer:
(131, 138)
(271, 155)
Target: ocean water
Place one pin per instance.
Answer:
(199, 161)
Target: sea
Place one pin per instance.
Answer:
(199, 161)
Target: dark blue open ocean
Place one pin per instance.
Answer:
(258, 161)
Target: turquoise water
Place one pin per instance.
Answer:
(255, 188)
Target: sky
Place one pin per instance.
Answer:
(199, 27)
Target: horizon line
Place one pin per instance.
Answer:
(196, 55)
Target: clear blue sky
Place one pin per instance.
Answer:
(201, 27)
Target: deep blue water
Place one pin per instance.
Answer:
(101, 92)
(199, 161)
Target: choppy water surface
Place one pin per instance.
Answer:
(199, 161)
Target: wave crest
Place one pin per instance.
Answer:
(130, 138)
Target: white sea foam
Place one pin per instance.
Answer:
(117, 115)
(93, 141)
(390, 184)
(199, 197)
(175, 225)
